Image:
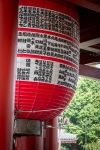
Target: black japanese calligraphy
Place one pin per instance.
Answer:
(33, 17)
(39, 70)
(48, 45)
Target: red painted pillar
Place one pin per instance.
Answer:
(51, 141)
(29, 143)
(8, 42)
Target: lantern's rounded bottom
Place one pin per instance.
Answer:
(40, 101)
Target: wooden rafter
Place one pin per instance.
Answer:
(89, 4)
(88, 71)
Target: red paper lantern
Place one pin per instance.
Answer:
(47, 58)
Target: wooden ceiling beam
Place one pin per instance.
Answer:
(89, 34)
(90, 43)
(86, 59)
(87, 45)
(89, 4)
(95, 50)
(97, 46)
(88, 71)
(90, 27)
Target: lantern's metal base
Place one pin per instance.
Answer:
(26, 127)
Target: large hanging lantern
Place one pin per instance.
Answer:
(47, 58)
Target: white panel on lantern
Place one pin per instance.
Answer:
(39, 70)
(56, 22)
(51, 46)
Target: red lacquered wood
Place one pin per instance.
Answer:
(8, 42)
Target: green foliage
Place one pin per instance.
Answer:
(64, 148)
(84, 112)
(93, 145)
